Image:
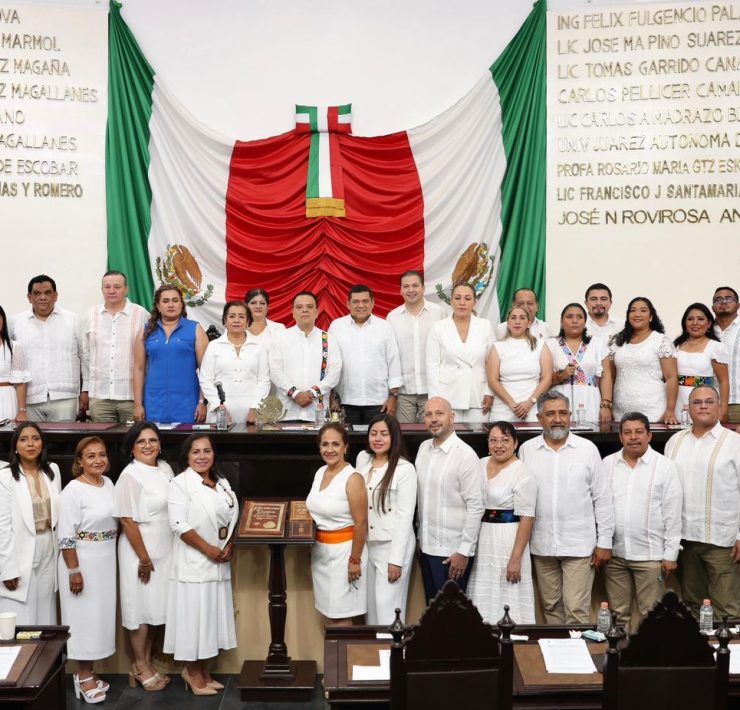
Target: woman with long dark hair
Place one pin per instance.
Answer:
(144, 549)
(502, 573)
(203, 511)
(644, 365)
(13, 375)
(391, 494)
(167, 355)
(30, 487)
(260, 329)
(702, 358)
(581, 366)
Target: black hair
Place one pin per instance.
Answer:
(382, 491)
(249, 295)
(5, 333)
(40, 279)
(707, 314)
(133, 434)
(360, 288)
(240, 304)
(726, 288)
(598, 287)
(15, 462)
(634, 417)
(412, 272)
(154, 315)
(625, 335)
(307, 293)
(506, 428)
(585, 336)
(182, 461)
(115, 272)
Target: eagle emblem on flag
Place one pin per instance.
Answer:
(180, 268)
(474, 267)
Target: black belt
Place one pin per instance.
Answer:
(492, 515)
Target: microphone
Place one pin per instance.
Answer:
(221, 393)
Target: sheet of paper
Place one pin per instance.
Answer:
(381, 635)
(371, 673)
(8, 654)
(519, 637)
(734, 657)
(566, 656)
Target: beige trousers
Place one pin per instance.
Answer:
(564, 586)
(111, 410)
(53, 410)
(411, 408)
(708, 572)
(632, 579)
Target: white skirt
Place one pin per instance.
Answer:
(334, 596)
(91, 615)
(200, 619)
(145, 603)
(383, 597)
(488, 587)
(40, 607)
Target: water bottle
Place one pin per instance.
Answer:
(706, 618)
(581, 415)
(603, 619)
(222, 419)
(685, 420)
(320, 415)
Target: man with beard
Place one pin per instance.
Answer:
(599, 323)
(574, 517)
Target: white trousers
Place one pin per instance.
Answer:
(383, 597)
(40, 607)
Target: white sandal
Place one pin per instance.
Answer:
(92, 696)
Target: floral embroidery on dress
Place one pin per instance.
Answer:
(101, 536)
(666, 349)
(579, 377)
(67, 543)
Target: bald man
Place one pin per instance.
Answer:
(451, 501)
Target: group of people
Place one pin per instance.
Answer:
(554, 511)
(173, 535)
(120, 363)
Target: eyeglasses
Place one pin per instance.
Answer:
(724, 299)
(505, 440)
(145, 442)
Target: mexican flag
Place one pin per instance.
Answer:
(461, 198)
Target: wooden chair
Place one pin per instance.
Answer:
(452, 659)
(667, 664)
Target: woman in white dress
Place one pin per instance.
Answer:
(13, 375)
(29, 503)
(144, 549)
(338, 504)
(519, 370)
(391, 493)
(702, 358)
(502, 573)
(644, 366)
(239, 364)
(581, 366)
(203, 512)
(87, 534)
(260, 329)
(457, 348)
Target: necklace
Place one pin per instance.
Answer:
(96, 485)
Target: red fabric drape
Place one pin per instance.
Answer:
(273, 245)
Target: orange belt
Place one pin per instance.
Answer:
(332, 537)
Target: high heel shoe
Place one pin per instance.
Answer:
(151, 684)
(92, 696)
(213, 683)
(103, 685)
(206, 690)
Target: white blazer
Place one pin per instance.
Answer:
(457, 370)
(191, 507)
(18, 531)
(397, 523)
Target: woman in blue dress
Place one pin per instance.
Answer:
(167, 356)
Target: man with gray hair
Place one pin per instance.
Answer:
(574, 516)
(708, 460)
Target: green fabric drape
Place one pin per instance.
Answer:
(128, 193)
(520, 75)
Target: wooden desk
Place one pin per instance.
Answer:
(41, 682)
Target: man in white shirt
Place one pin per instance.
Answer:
(600, 324)
(49, 336)
(574, 517)
(647, 511)
(527, 299)
(727, 327)
(305, 362)
(451, 501)
(107, 335)
(371, 367)
(411, 322)
(708, 460)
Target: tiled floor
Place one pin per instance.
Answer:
(175, 697)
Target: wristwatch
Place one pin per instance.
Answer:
(533, 400)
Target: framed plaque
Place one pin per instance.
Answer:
(300, 522)
(263, 518)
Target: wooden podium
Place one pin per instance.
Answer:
(269, 521)
(36, 679)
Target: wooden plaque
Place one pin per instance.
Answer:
(300, 522)
(263, 518)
